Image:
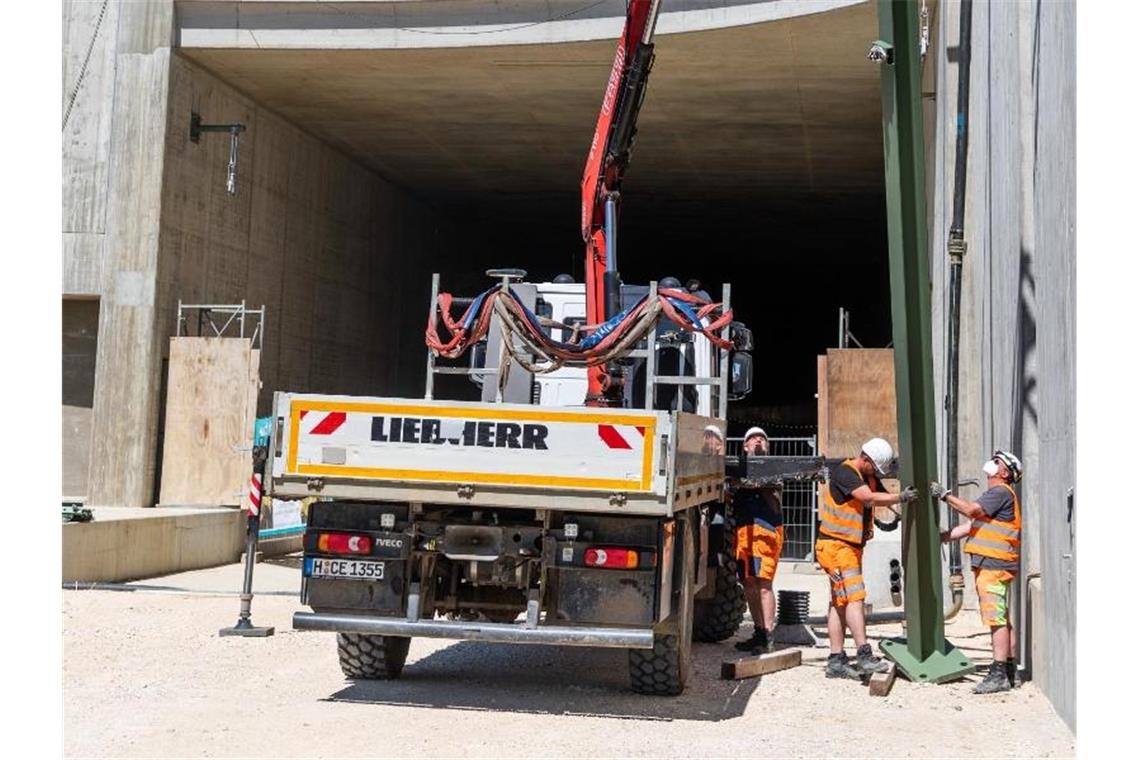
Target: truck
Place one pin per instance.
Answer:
(578, 502)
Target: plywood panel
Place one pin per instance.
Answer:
(859, 399)
(210, 407)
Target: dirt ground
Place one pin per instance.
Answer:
(146, 675)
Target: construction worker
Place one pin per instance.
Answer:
(993, 541)
(846, 515)
(759, 539)
(714, 440)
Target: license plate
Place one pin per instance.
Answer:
(349, 569)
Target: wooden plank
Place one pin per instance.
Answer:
(881, 683)
(210, 406)
(750, 667)
(859, 400)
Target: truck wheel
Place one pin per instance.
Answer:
(718, 618)
(664, 670)
(371, 657)
(658, 670)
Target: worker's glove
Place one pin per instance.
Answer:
(908, 494)
(886, 526)
(937, 491)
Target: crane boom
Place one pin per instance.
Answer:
(601, 182)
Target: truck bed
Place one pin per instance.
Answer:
(630, 461)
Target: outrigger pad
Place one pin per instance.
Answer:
(245, 628)
(798, 634)
(948, 665)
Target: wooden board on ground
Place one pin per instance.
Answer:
(881, 683)
(856, 399)
(211, 402)
(750, 667)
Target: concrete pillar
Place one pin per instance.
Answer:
(128, 361)
(1054, 92)
(1017, 342)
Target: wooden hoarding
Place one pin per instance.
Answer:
(211, 401)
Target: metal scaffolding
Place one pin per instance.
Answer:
(220, 321)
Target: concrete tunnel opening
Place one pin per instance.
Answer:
(385, 141)
(758, 162)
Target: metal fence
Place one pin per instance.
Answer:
(799, 499)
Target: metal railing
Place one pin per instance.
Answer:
(799, 498)
(718, 382)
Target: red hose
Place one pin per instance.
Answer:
(459, 339)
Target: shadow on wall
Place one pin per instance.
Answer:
(1024, 402)
(542, 680)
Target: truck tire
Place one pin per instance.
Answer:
(371, 657)
(664, 670)
(718, 618)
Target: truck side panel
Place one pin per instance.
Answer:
(697, 467)
(502, 445)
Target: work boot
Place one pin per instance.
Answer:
(1012, 674)
(868, 663)
(996, 680)
(757, 644)
(838, 667)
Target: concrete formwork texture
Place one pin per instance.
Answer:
(385, 141)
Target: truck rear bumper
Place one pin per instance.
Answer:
(512, 633)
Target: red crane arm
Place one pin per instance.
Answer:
(605, 167)
(609, 150)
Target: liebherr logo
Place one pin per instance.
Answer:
(436, 432)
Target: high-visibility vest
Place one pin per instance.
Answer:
(996, 538)
(846, 521)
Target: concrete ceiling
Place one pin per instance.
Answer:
(763, 116)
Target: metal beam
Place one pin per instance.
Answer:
(924, 655)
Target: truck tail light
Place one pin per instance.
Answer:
(611, 557)
(344, 543)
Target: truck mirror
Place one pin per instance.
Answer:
(477, 359)
(740, 336)
(741, 380)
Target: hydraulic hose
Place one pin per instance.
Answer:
(956, 250)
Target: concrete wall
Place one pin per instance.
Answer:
(122, 545)
(320, 241)
(89, 56)
(1017, 343)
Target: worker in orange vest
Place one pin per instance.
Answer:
(993, 541)
(846, 523)
(759, 541)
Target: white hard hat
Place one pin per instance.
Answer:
(880, 453)
(1012, 462)
(715, 431)
(755, 431)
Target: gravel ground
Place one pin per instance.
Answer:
(146, 675)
